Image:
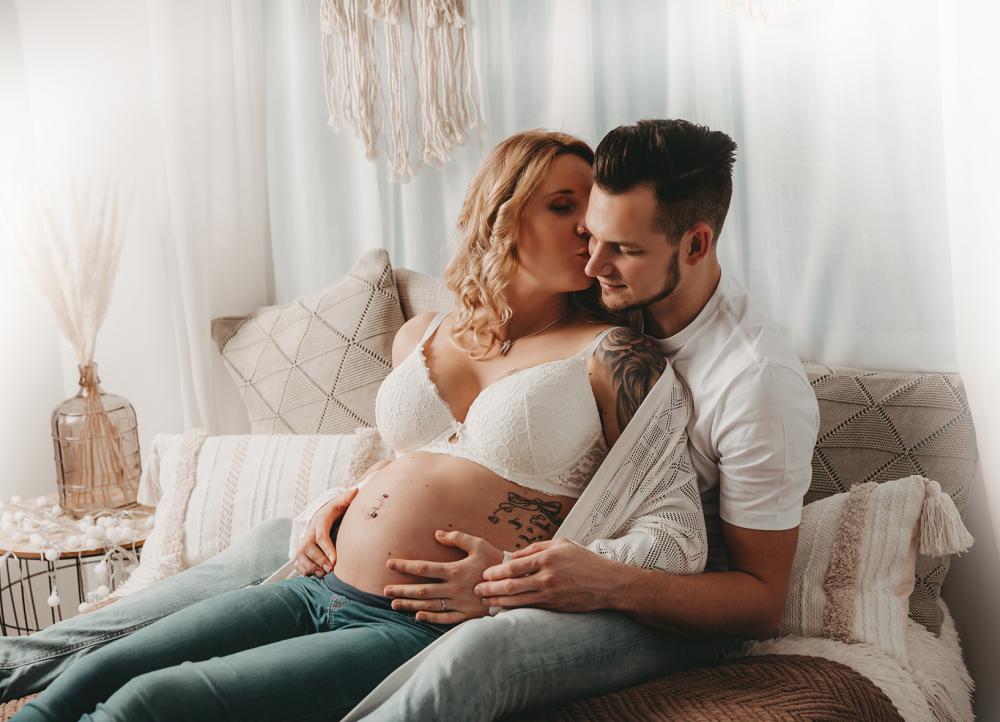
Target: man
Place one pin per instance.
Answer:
(661, 194)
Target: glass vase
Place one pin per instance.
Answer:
(96, 443)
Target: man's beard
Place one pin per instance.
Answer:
(673, 278)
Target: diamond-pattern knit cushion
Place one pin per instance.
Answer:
(879, 426)
(313, 366)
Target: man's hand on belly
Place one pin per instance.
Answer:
(455, 587)
(557, 574)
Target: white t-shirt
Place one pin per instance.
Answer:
(755, 418)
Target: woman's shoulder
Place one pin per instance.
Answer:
(409, 335)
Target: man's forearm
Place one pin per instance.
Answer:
(733, 603)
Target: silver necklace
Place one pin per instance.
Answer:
(505, 346)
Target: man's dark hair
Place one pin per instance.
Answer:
(688, 167)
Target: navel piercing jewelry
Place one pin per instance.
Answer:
(373, 512)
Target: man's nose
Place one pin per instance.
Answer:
(598, 264)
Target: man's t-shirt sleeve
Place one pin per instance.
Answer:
(766, 427)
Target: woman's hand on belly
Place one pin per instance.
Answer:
(457, 580)
(316, 553)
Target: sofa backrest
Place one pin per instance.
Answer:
(420, 293)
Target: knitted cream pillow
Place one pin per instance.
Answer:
(854, 566)
(313, 366)
(210, 491)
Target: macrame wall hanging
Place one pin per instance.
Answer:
(365, 49)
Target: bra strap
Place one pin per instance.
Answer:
(592, 346)
(433, 326)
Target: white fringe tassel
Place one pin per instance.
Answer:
(447, 108)
(941, 529)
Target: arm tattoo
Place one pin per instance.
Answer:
(635, 364)
(539, 526)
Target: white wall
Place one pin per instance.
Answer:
(971, 65)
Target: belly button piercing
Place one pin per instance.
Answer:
(373, 512)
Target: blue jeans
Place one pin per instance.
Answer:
(29, 664)
(297, 650)
(531, 658)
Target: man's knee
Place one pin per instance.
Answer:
(269, 539)
(276, 529)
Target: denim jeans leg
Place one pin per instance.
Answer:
(530, 658)
(302, 679)
(294, 651)
(29, 664)
(224, 624)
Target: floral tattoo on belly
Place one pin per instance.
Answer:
(536, 519)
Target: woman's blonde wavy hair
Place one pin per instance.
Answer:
(486, 259)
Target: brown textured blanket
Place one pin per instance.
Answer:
(767, 688)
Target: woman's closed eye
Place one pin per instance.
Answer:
(562, 208)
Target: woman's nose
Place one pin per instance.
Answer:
(582, 232)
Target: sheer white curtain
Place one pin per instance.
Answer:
(166, 98)
(840, 211)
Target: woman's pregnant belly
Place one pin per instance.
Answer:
(398, 511)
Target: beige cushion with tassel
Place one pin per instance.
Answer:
(854, 566)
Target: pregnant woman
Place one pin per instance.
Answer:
(499, 414)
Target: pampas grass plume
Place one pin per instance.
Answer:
(72, 250)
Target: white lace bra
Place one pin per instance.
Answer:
(538, 427)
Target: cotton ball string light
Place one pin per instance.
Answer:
(43, 523)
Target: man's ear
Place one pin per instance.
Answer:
(698, 242)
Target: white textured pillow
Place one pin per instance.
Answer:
(210, 491)
(853, 570)
(314, 365)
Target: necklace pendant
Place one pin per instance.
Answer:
(505, 347)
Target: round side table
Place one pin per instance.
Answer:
(25, 583)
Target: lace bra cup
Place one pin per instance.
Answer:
(538, 427)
